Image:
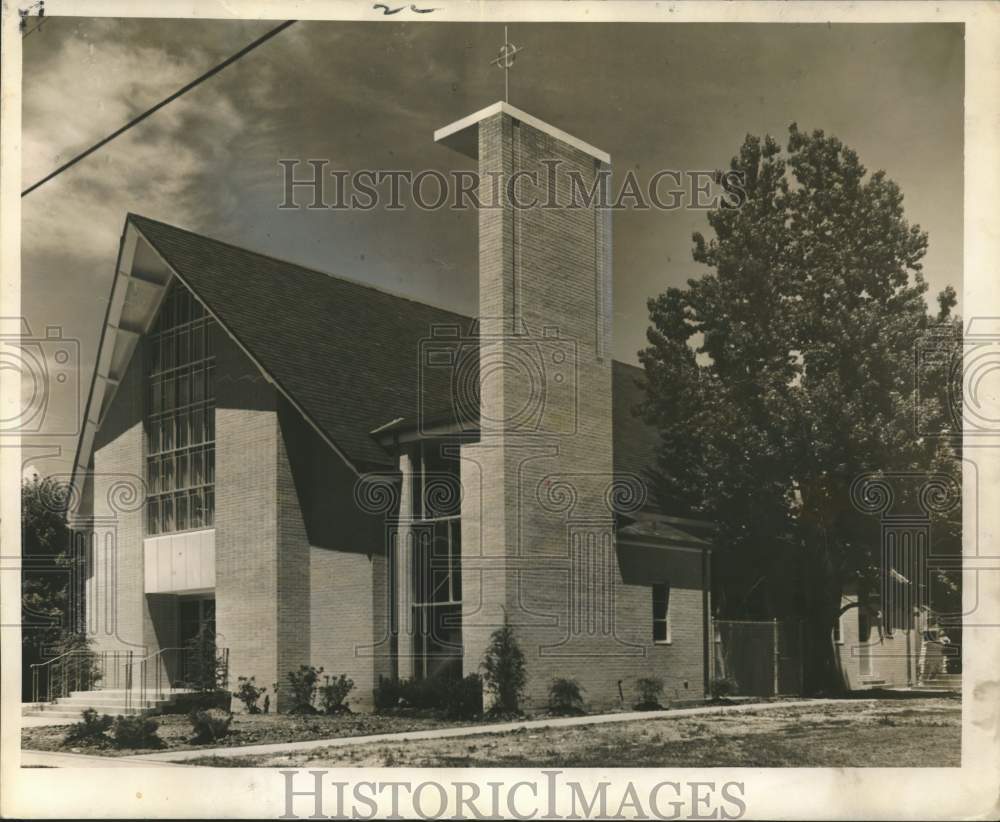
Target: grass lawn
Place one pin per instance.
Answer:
(884, 733)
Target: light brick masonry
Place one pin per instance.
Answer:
(302, 571)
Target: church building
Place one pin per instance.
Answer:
(323, 473)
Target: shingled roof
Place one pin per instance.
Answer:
(348, 354)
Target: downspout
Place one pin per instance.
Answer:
(705, 627)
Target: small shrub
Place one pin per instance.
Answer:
(565, 697)
(248, 693)
(724, 686)
(92, 729)
(197, 701)
(302, 684)
(333, 692)
(650, 690)
(424, 694)
(463, 697)
(206, 670)
(445, 694)
(80, 668)
(136, 732)
(504, 671)
(386, 695)
(210, 725)
(408, 694)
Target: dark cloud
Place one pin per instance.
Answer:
(368, 95)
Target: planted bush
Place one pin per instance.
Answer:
(302, 685)
(136, 732)
(91, 730)
(650, 690)
(386, 695)
(451, 696)
(80, 669)
(205, 669)
(210, 725)
(504, 671)
(197, 701)
(249, 694)
(565, 697)
(724, 686)
(333, 692)
(463, 697)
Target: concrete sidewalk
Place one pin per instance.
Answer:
(42, 721)
(53, 759)
(477, 730)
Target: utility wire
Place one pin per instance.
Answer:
(31, 31)
(135, 121)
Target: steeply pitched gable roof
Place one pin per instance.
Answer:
(348, 354)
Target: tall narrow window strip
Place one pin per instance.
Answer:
(180, 417)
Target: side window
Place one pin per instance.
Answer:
(661, 612)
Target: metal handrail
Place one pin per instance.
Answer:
(156, 657)
(83, 676)
(92, 666)
(36, 665)
(144, 669)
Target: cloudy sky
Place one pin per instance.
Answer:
(369, 95)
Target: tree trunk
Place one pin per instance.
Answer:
(822, 669)
(822, 672)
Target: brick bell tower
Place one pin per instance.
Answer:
(537, 518)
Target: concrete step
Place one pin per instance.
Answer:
(939, 684)
(106, 705)
(105, 701)
(75, 716)
(117, 693)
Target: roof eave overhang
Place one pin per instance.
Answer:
(627, 541)
(142, 275)
(136, 293)
(402, 430)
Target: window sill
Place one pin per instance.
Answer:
(197, 530)
(663, 642)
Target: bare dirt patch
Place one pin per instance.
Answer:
(258, 729)
(883, 733)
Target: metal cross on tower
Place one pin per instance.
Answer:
(504, 60)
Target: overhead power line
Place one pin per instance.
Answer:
(135, 121)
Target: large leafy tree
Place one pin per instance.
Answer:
(788, 370)
(48, 622)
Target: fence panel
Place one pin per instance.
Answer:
(759, 657)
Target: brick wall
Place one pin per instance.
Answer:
(333, 589)
(537, 528)
(246, 516)
(300, 571)
(120, 617)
